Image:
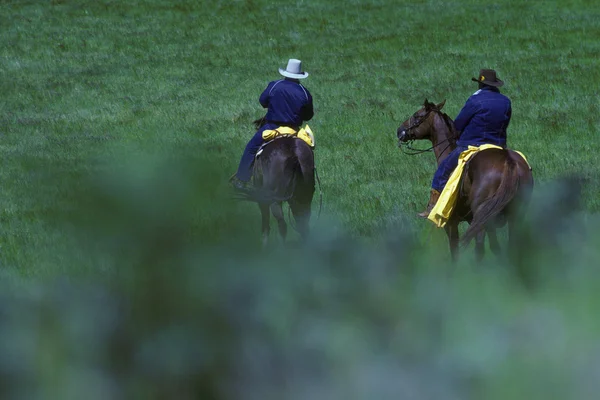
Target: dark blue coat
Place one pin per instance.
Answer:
(288, 102)
(484, 118)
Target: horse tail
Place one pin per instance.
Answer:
(494, 205)
(290, 178)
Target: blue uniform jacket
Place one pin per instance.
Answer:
(484, 118)
(288, 103)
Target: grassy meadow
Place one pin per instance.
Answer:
(129, 272)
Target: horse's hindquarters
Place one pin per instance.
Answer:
(500, 186)
(286, 168)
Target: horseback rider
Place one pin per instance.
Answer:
(289, 104)
(483, 120)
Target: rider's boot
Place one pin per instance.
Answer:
(433, 198)
(239, 184)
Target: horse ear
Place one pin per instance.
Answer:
(426, 102)
(441, 105)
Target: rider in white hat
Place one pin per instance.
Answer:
(288, 103)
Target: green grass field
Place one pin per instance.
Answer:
(128, 271)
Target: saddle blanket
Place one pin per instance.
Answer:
(304, 133)
(442, 210)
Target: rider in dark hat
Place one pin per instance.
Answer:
(483, 120)
(289, 104)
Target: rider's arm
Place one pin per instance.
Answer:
(509, 114)
(307, 111)
(465, 115)
(265, 95)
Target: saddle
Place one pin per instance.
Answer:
(270, 135)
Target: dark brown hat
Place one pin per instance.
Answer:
(488, 77)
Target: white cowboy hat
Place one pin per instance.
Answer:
(293, 70)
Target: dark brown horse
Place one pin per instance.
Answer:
(495, 186)
(284, 172)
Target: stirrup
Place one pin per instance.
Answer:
(239, 184)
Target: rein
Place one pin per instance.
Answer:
(320, 193)
(407, 145)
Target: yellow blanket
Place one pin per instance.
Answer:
(442, 210)
(304, 133)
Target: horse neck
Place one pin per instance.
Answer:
(442, 136)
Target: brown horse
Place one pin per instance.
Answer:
(283, 172)
(495, 186)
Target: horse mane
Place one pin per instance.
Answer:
(450, 124)
(453, 136)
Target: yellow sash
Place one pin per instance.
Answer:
(442, 210)
(304, 133)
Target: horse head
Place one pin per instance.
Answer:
(419, 125)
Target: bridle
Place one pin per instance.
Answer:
(418, 122)
(411, 137)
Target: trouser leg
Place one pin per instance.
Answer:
(244, 172)
(440, 178)
(444, 170)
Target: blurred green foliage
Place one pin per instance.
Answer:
(177, 300)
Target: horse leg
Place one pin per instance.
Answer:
(480, 246)
(523, 270)
(301, 214)
(265, 216)
(494, 244)
(277, 210)
(451, 229)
